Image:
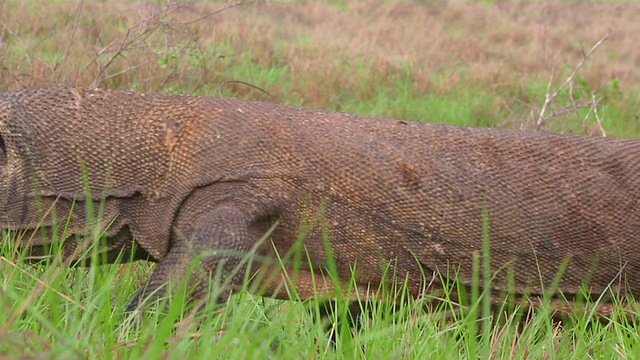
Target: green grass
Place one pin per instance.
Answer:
(59, 312)
(360, 86)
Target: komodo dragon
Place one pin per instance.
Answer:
(182, 176)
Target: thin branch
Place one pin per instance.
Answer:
(226, 7)
(542, 118)
(547, 100)
(131, 68)
(240, 82)
(74, 31)
(595, 112)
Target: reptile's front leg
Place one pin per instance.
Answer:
(213, 243)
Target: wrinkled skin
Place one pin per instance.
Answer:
(202, 178)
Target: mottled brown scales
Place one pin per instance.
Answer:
(183, 176)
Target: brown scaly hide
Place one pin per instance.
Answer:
(185, 175)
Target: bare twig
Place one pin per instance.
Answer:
(107, 77)
(229, 5)
(595, 102)
(550, 98)
(547, 100)
(243, 83)
(74, 31)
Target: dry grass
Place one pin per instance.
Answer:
(463, 63)
(326, 51)
(503, 43)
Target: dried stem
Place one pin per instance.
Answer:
(550, 97)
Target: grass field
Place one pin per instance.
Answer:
(473, 64)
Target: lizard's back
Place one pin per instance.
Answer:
(384, 191)
(417, 192)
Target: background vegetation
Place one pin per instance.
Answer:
(472, 64)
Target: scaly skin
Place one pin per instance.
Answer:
(205, 178)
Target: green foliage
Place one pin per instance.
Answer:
(59, 312)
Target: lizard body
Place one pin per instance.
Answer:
(183, 175)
